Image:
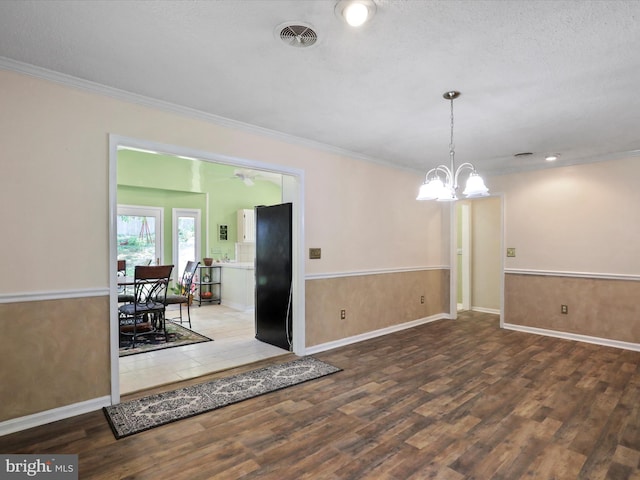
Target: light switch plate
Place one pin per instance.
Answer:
(511, 252)
(315, 253)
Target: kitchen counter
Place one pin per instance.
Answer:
(238, 285)
(238, 265)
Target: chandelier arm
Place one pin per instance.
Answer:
(448, 176)
(459, 170)
(426, 177)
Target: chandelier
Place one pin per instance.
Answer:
(444, 189)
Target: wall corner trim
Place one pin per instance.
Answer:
(374, 333)
(49, 416)
(606, 342)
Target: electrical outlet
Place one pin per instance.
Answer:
(422, 299)
(315, 253)
(564, 309)
(343, 314)
(511, 252)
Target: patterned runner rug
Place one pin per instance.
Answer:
(149, 412)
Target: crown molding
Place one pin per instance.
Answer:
(125, 96)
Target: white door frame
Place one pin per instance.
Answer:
(293, 190)
(465, 265)
(185, 212)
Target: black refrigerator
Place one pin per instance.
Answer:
(274, 275)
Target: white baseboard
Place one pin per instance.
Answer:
(606, 342)
(494, 311)
(373, 334)
(48, 416)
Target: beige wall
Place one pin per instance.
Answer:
(486, 268)
(55, 151)
(576, 219)
(54, 190)
(54, 353)
(576, 231)
(372, 302)
(602, 308)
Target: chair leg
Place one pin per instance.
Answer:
(189, 313)
(164, 325)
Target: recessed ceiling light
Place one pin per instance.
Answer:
(551, 158)
(355, 12)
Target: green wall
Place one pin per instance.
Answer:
(172, 182)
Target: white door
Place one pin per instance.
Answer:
(186, 238)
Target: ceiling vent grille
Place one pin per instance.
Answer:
(297, 35)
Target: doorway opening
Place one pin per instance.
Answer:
(292, 191)
(476, 256)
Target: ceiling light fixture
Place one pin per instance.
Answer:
(551, 158)
(434, 188)
(355, 12)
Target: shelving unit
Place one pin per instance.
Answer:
(209, 281)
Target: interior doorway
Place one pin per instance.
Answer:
(477, 236)
(292, 191)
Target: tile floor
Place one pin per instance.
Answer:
(234, 344)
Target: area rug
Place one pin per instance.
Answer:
(178, 337)
(142, 414)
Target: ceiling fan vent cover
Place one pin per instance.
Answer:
(297, 35)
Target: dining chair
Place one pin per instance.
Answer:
(124, 295)
(185, 288)
(146, 314)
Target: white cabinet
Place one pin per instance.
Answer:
(239, 285)
(246, 225)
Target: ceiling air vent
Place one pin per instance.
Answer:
(297, 35)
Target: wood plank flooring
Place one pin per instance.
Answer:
(447, 400)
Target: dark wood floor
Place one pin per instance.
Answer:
(447, 400)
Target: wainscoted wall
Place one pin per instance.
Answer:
(372, 302)
(606, 308)
(54, 353)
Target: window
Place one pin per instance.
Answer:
(139, 233)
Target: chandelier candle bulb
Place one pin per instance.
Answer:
(444, 189)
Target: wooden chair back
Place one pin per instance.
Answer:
(150, 283)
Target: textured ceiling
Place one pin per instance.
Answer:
(535, 76)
